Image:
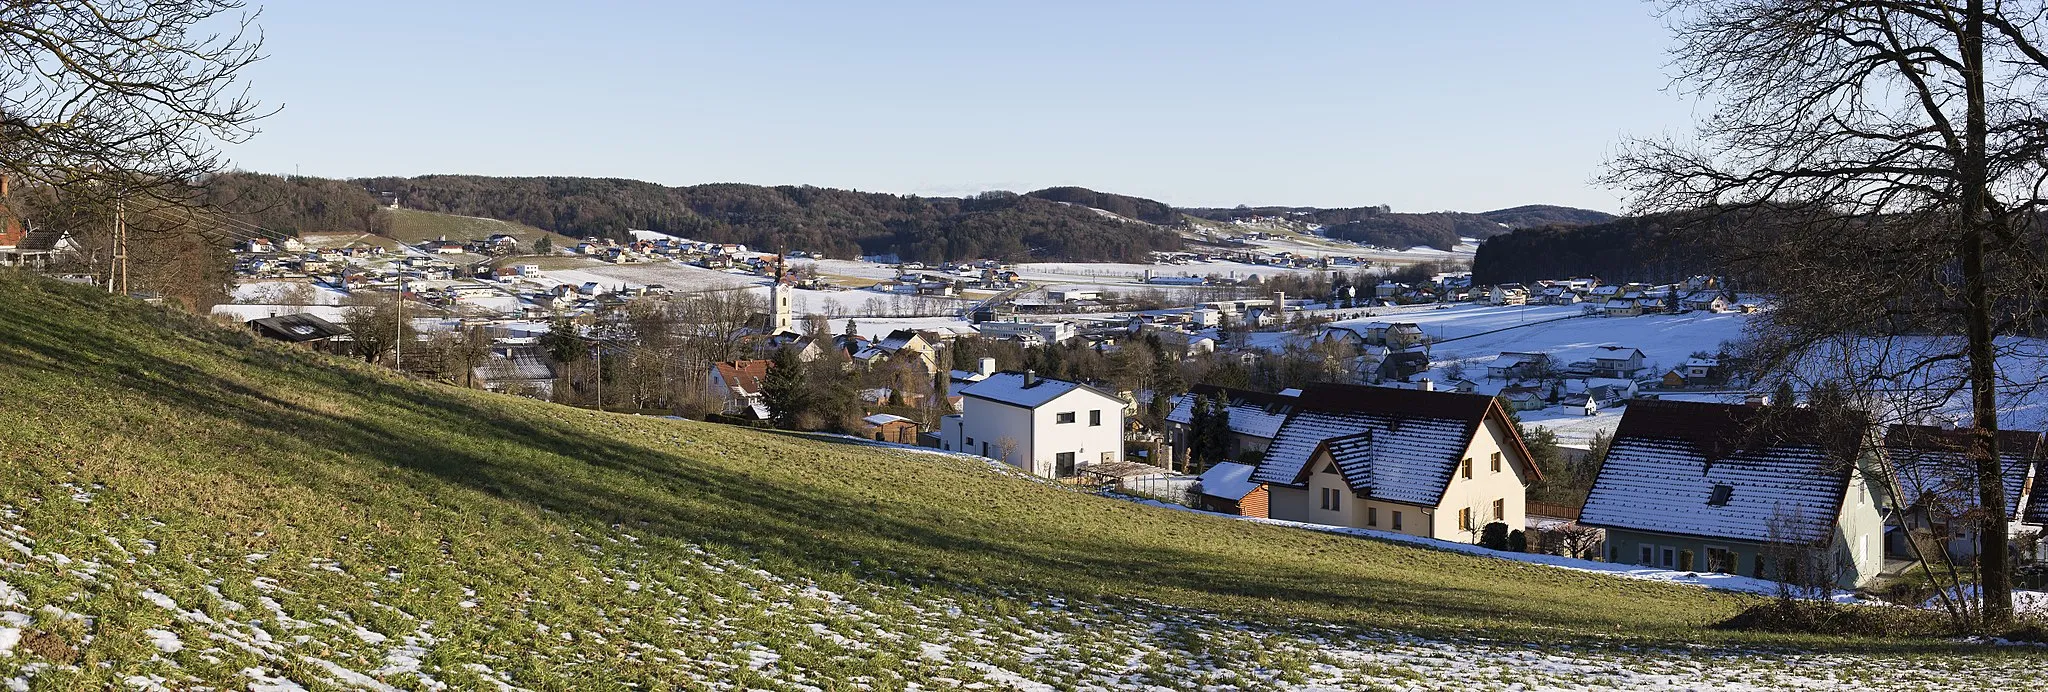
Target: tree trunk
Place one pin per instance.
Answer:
(1994, 570)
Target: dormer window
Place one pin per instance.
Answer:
(1722, 491)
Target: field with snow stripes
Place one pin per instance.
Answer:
(182, 507)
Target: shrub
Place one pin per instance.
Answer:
(1799, 616)
(1518, 541)
(1494, 536)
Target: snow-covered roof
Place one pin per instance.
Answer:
(1933, 464)
(1010, 388)
(1617, 353)
(1724, 471)
(521, 364)
(1416, 438)
(1229, 480)
(897, 340)
(884, 419)
(966, 376)
(1254, 414)
(1702, 363)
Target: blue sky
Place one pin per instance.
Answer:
(1423, 106)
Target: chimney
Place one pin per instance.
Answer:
(988, 367)
(1030, 378)
(1757, 400)
(1425, 384)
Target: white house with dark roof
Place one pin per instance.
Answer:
(1937, 486)
(1052, 428)
(1775, 492)
(1427, 463)
(1618, 361)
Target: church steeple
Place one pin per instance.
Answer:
(778, 295)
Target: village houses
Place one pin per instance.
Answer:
(1426, 463)
(1938, 490)
(1776, 492)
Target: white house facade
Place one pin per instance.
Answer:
(1052, 428)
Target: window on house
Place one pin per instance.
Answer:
(970, 442)
(1722, 491)
(1465, 468)
(1095, 419)
(1333, 499)
(1500, 510)
(1647, 560)
(1063, 464)
(1397, 521)
(1720, 560)
(1372, 516)
(1465, 518)
(1667, 557)
(1496, 462)
(1067, 417)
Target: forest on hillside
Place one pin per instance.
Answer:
(291, 205)
(1383, 227)
(1150, 211)
(835, 223)
(1647, 249)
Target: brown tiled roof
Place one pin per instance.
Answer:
(1401, 402)
(1719, 430)
(744, 374)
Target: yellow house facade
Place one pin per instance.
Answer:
(1438, 465)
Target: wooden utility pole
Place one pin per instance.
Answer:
(117, 267)
(398, 341)
(121, 223)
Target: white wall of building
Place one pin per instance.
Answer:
(1038, 435)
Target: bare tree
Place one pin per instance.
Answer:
(114, 97)
(1573, 540)
(374, 325)
(1879, 165)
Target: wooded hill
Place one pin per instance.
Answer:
(1056, 223)
(1441, 230)
(1647, 249)
(294, 204)
(837, 223)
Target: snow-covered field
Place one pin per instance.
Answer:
(288, 292)
(681, 277)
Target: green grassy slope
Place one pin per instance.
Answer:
(281, 514)
(414, 226)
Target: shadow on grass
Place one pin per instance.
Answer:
(775, 495)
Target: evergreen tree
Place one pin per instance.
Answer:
(783, 389)
(1219, 430)
(1198, 433)
(852, 328)
(1785, 396)
(562, 343)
